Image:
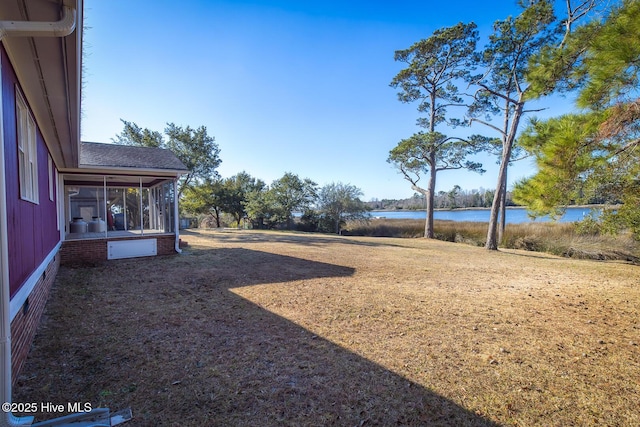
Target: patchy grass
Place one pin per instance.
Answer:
(266, 328)
(562, 239)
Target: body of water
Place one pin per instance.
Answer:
(514, 215)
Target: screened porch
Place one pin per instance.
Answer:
(101, 206)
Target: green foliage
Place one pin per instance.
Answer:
(575, 165)
(511, 45)
(235, 190)
(506, 57)
(261, 208)
(337, 203)
(229, 196)
(423, 151)
(194, 147)
(611, 62)
(312, 221)
(132, 134)
(290, 194)
(204, 199)
(625, 184)
(558, 68)
(599, 57)
(594, 155)
(565, 149)
(434, 66)
(268, 207)
(589, 226)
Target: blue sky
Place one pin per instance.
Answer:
(283, 86)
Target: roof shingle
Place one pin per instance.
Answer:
(127, 156)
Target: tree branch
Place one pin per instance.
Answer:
(574, 14)
(408, 176)
(450, 168)
(628, 146)
(537, 110)
(500, 131)
(496, 93)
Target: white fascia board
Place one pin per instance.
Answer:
(126, 171)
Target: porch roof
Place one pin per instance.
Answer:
(101, 156)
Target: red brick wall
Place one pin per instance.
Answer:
(83, 251)
(167, 245)
(95, 250)
(26, 321)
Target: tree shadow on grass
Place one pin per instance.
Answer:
(169, 338)
(299, 238)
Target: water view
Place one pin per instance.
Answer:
(514, 215)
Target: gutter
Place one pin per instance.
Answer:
(176, 216)
(111, 170)
(61, 28)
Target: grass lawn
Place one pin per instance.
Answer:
(253, 328)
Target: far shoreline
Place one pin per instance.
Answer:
(477, 208)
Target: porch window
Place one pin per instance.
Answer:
(27, 151)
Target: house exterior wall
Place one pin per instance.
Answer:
(32, 228)
(32, 232)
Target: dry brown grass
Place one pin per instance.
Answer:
(550, 237)
(267, 328)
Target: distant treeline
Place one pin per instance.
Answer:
(452, 199)
(457, 198)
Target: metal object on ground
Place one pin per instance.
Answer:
(99, 417)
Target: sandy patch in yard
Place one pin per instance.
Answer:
(266, 328)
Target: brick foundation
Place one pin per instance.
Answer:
(26, 321)
(92, 251)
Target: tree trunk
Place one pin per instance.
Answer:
(492, 237)
(216, 215)
(430, 194)
(427, 226)
(503, 211)
(429, 233)
(492, 233)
